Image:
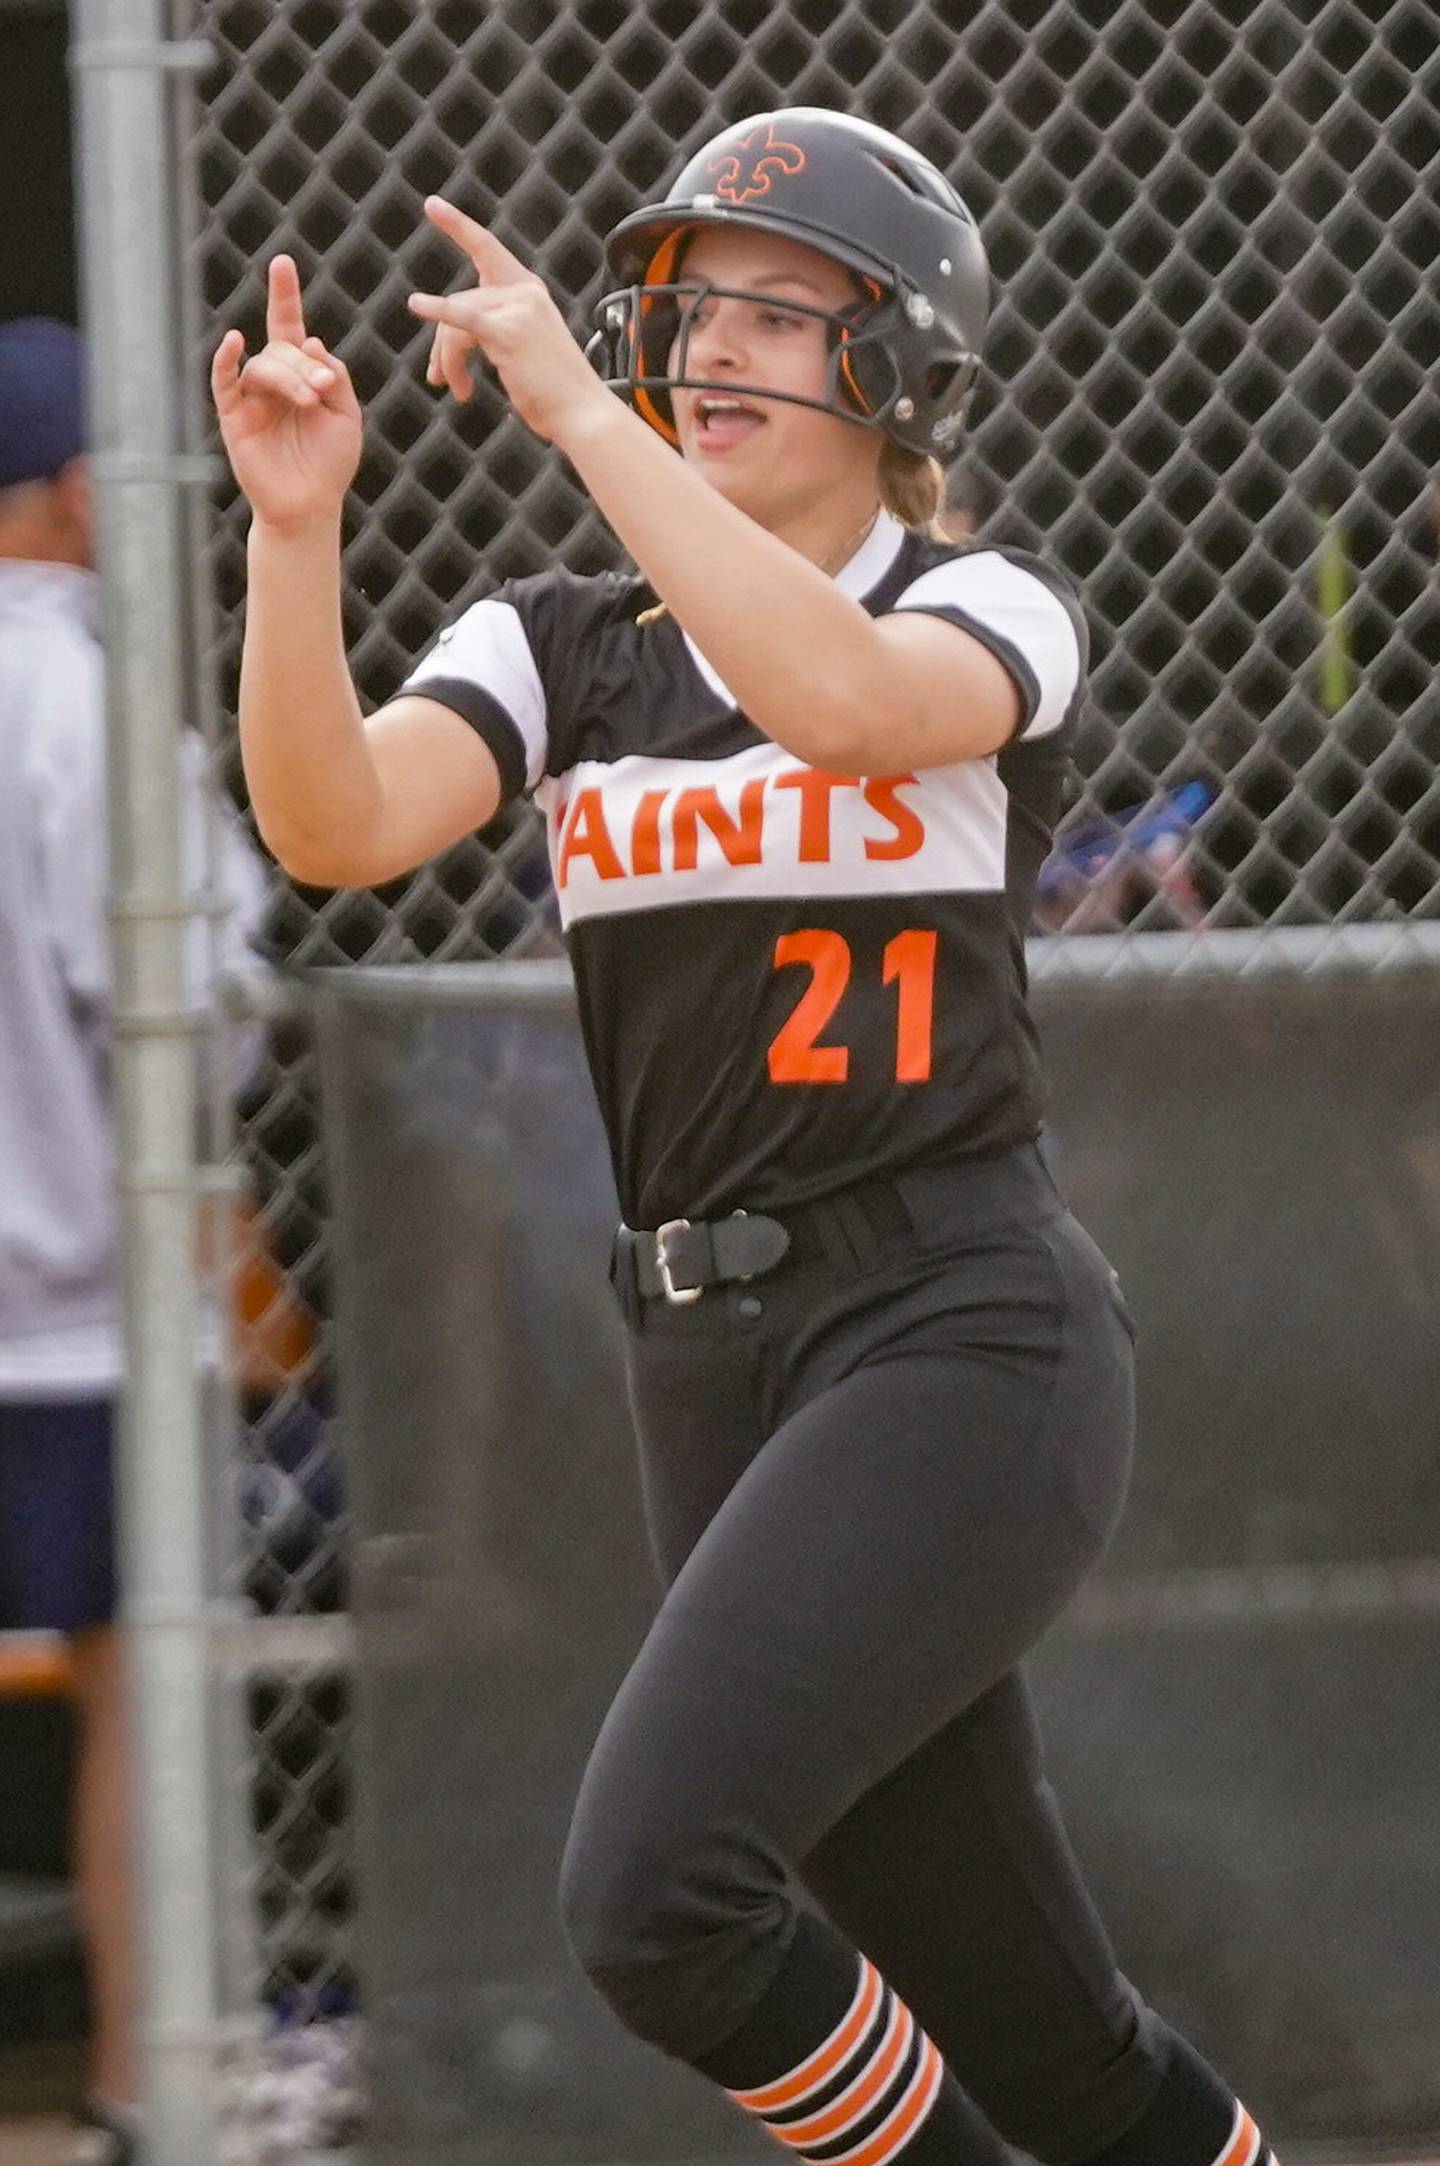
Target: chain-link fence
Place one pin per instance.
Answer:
(1213, 229)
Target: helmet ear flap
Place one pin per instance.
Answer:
(652, 333)
(861, 373)
(866, 378)
(950, 379)
(653, 330)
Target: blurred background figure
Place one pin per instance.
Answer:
(60, 1338)
(1135, 867)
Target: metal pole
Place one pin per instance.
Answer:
(239, 1979)
(123, 67)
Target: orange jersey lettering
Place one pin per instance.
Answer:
(645, 832)
(741, 841)
(588, 836)
(817, 787)
(909, 835)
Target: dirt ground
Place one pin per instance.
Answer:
(43, 2142)
(47, 2142)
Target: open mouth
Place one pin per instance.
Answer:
(722, 422)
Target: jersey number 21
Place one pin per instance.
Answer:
(908, 964)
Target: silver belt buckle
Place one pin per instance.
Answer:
(677, 1296)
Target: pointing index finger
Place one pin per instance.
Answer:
(284, 315)
(491, 258)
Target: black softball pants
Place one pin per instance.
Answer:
(872, 1479)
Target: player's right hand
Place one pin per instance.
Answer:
(289, 417)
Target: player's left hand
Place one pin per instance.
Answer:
(511, 316)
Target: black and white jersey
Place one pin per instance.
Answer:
(789, 980)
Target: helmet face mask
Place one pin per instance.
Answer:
(642, 349)
(850, 192)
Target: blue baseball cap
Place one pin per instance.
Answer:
(42, 398)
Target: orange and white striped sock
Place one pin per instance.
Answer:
(1246, 2146)
(870, 2090)
(1193, 2120)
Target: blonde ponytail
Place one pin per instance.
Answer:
(912, 488)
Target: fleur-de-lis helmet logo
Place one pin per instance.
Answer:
(746, 172)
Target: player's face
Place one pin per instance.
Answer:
(766, 448)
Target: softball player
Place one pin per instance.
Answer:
(799, 775)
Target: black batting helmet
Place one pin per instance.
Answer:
(903, 360)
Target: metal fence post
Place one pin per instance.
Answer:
(122, 64)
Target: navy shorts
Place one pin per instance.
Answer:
(57, 1515)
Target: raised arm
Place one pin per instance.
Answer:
(341, 801)
(804, 660)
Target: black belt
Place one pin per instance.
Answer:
(684, 1256)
